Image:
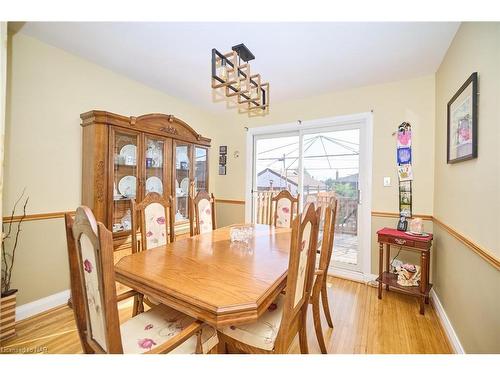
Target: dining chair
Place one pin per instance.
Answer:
(154, 218)
(159, 330)
(285, 205)
(275, 330)
(203, 218)
(320, 276)
(263, 206)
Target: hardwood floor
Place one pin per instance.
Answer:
(362, 324)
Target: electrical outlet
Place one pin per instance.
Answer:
(387, 181)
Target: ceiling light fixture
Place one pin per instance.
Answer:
(229, 73)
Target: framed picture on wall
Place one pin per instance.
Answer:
(462, 123)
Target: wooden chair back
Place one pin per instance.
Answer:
(154, 218)
(330, 216)
(93, 290)
(263, 207)
(285, 206)
(202, 219)
(300, 277)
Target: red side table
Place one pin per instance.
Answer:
(404, 241)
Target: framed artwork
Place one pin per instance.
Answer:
(405, 172)
(404, 155)
(222, 150)
(462, 123)
(405, 199)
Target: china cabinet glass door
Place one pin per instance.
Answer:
(154, 162)
(182, 177)
(125, 178)
(200, 169)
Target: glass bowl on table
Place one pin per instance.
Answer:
(241, 233)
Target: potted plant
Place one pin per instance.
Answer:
(10, 242)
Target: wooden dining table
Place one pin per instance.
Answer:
(211, 278)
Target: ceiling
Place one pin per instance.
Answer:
(298, 59)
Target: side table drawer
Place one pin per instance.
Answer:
(401, 242)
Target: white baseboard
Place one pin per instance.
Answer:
(43, 304)
(445, 322)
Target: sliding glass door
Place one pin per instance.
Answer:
(330, 167)
(317, 163)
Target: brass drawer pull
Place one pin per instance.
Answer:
(399, 241)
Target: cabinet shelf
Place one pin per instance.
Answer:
(391, 279)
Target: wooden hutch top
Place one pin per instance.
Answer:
(153, 123)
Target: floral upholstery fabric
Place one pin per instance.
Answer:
(261, 334)
(205, 216)
(146, 331)
(283, 213)
(301, 276)
(155, 225)
(92, 289)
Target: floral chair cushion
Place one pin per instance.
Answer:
(301, 276)
(261, 334)
(205, 216)
(92, 289)
(146, 331)
(283, 213)
(155, 225)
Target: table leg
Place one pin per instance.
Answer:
(423, 279)
(428, 267)
(380, 268)
(387, 260)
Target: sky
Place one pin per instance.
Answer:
(324, 153)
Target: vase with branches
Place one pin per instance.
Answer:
(10, 241)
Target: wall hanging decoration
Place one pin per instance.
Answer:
(405, 173)
(233, 75)
(462, 122)
(222, 159)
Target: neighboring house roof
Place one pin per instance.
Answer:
(294, 179)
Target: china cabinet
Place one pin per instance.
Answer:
(127, 157)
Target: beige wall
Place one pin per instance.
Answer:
(47, 90)
(467, 194)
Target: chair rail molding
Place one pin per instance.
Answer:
(485, 254)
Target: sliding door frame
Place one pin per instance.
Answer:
(365, 122)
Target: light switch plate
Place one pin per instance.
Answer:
(387, 181)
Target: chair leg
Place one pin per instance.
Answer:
(326, 308)
(317, 326)
(138, 305)
(221, 347)
(303, 334)
(199, 347)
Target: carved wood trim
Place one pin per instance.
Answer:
(153, 123)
